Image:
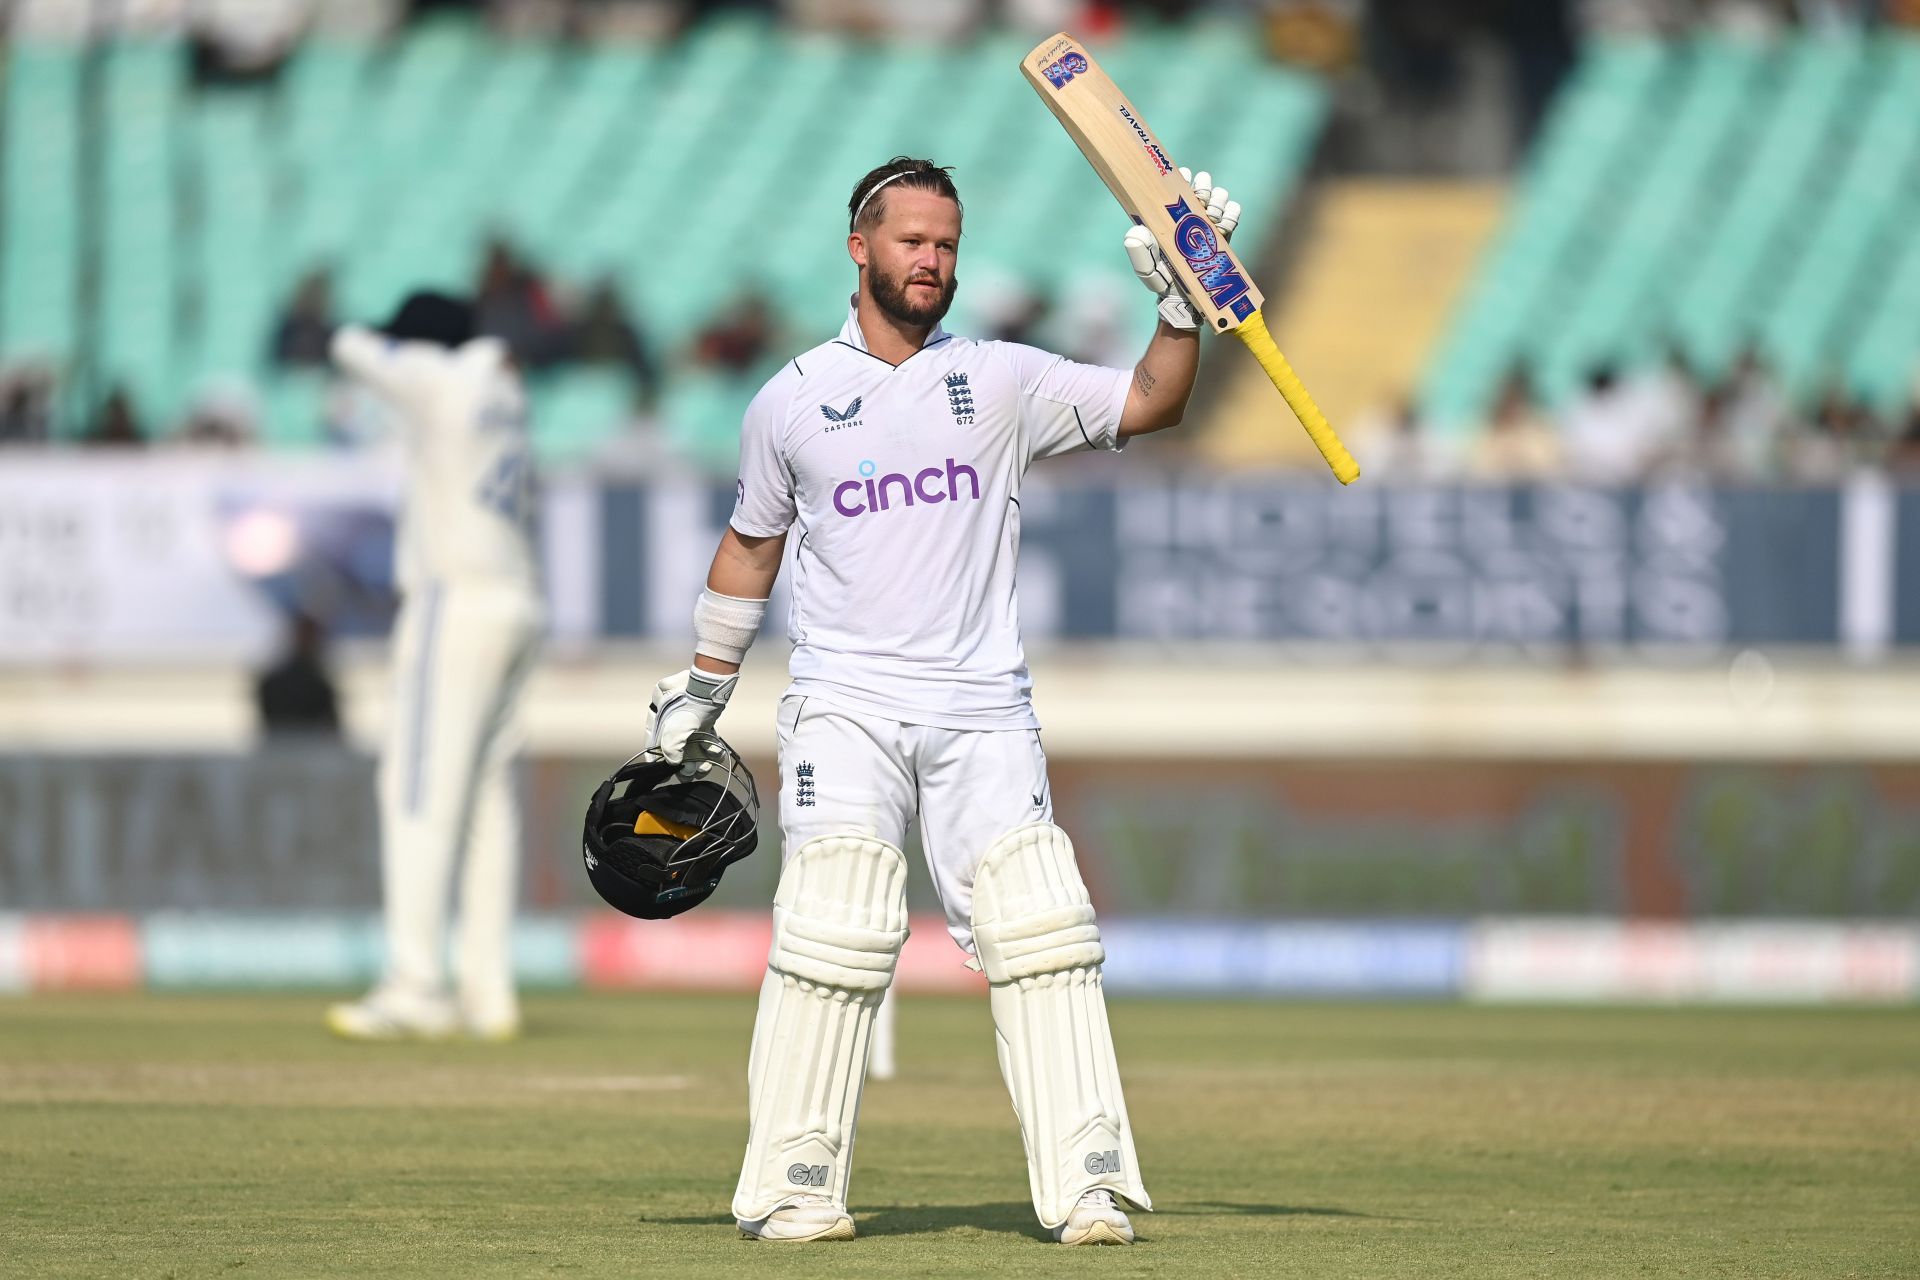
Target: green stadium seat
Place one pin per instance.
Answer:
(40, 175)
(576, 411)
(294, 410)
(1769, 196)
(394, 163)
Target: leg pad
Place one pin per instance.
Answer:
(1039, 946)
(839, 921)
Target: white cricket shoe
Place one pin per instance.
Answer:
(494, 1030)
(807, 1218)
(493, 1021)
(1095, 1220)
(387, 1014)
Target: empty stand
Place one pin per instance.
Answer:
(1708, 197)
(392, 165)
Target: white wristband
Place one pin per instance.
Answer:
(724, 626)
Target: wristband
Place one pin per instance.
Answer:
(724, 626)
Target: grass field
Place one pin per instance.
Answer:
(218, 1136)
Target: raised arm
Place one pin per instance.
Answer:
(397, 371)
(1162, 381)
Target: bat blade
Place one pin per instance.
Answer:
(1122, 148)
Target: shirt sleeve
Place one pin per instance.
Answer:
(763, 503)
(1064, 405)
(398, 371)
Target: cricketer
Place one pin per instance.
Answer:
(892, 459)
(466, 635)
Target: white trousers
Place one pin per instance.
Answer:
(842, 771)
(461, 653)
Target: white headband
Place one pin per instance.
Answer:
(862, 206)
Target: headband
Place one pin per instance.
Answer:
(862, 206)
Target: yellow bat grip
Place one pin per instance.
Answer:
(1253, 332)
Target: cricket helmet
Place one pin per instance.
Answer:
(658, 834)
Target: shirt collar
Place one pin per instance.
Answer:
(851, 335)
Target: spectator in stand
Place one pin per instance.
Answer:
(303, 333)
(1022, 320)
(1608, 433)
(1518, 445)
(1665, 403)
(1844, 436)
(1904, 457)
(738, 341)
(1704, 447)
(1840, 439)
(605, 334)
(515, 306)
(26, 405)
(1398, 449)
(118, 426)
(296, 696)
(224, 415)
(1755, 413)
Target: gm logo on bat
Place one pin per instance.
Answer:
(1200, 246)
(1071, 64)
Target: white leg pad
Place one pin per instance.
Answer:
(1034, 930)
(839, 921)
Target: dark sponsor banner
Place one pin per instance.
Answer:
(297, 831)
(1906, 569)
(293, 828)
(1502, 572)
(190, 560)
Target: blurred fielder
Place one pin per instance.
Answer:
(897, 451)
(467, 632)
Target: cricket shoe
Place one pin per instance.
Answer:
(1095, 1220)
(493, 1030)
(807, 1218)
(393, 1015)
(490, 1021)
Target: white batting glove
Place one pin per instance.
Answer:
(1143, 252)
(686, 702)
(1222, 212)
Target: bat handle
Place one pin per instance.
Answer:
(1253, 332)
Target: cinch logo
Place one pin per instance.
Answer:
(808, 1175)
(897, 488)
(1201, 248)
(1072, 64)
(1154, 153)
(1099, 1162)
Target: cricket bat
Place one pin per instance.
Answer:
(1147, 183)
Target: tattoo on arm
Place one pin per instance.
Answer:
(1144, 380)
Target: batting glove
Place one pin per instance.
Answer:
(1143, 252)
(686, 702)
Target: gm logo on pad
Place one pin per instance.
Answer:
(808, 1175)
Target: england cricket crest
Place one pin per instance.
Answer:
(960, 399)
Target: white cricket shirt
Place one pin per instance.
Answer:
(903, 484)
(462, 414)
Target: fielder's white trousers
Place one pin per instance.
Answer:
(843, 771)
(461, 652)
